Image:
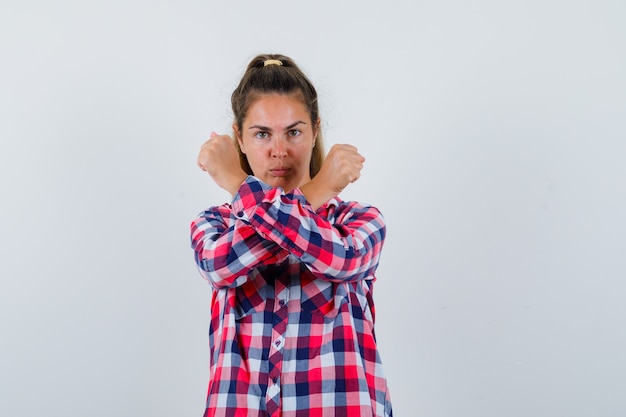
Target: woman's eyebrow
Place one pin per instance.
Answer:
(259, 127)
(291, 126)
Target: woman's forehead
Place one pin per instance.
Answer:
(281, 109)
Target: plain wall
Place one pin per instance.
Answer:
(495, 138)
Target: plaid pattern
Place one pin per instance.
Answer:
(292, 314)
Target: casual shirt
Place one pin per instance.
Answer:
(292, 314)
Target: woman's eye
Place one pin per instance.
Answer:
(261, 135)
(294, 132)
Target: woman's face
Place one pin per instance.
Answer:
(277, 137)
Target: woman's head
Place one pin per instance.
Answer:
(273, 74)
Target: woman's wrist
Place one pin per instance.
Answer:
(235, 182)
(316, 194)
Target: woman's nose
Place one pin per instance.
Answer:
(279, 148)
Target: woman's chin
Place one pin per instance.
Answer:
(285, 182)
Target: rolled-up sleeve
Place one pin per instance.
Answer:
(341, 242)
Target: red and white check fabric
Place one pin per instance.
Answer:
(292, 314)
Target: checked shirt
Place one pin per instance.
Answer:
(292, 314)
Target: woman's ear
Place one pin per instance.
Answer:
(316, 130)
(238, 138)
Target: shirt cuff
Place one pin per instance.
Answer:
(253, 192)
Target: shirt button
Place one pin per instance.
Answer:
(278, 343)
(281, 302)
(240, 214)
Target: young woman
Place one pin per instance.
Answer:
(291, 265)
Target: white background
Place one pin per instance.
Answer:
(495, 138)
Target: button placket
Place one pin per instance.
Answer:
(279, 329)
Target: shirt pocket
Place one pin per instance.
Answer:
(322, 299)
(249, 298)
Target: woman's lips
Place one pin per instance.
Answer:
(280, 172)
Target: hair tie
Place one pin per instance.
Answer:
(272, 62)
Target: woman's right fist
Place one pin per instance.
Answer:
(219, 158)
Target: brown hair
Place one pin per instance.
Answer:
(287, 78)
